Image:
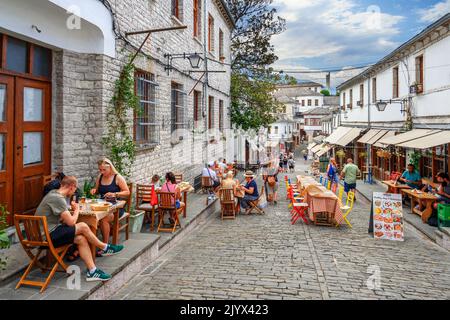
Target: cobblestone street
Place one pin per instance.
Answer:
(264, 257)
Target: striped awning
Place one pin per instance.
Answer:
(349, 137)
(388, 134)
(369, 135)
(322, 151)
(312, 145)
(337, 135)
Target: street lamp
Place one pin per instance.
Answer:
(194, 59)
(382, 104)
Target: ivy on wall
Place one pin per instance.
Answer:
(119, 139)
(4, 240)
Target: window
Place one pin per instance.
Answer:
(210, 33)
(303, 103)
(276, 130)
(361, 95)
(221, 115)
(395, 82)
(221, 54)
(351, 99)
(197, 106)
(419, 74)
(309, 102)
(374, 90)
(25, 58)
(197, 18)
(146, 128)
(211, 112)
(177, 9)
(178, 116)
(317, 102)
(269, 130)
(343, 100)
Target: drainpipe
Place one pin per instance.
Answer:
(205, 82)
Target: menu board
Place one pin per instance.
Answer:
(388, 216)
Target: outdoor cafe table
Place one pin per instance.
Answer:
(92, 218)
(394, 187)
(322, 201)
(421, 197)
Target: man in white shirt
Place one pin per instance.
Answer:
(223, 165)
(209, 172)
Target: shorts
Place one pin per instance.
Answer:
(177, 204)
(349, 186)
(62, 235)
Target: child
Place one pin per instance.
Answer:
(291, 164)
(155, 181)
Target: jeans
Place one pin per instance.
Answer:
(246, 199)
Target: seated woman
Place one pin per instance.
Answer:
(109, 185)
(171, 186)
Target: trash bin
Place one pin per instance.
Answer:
(323, 164)
(443, 215)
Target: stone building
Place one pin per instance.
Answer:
(59, 65)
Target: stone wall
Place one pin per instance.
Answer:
(84, 86)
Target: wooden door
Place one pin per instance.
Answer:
(6, 141)
(32, 144)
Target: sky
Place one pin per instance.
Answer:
(324, 34)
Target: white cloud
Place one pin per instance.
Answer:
(435, 12)
(333, 33)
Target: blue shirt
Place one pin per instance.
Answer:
(255, 188)
(415, 176)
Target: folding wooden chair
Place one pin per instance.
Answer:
(47, 179)
(227, 204)
(167, 205)
(255, 203)
(329, 185)
(207, 185)
(123, 223)
(34, 239)
(348, 207)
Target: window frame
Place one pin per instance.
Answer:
(197, 23)
(175, 123)
(177, 9)
(395, 82)
(211, 123)
(419, 65)
(221, 116)
(374, 90)
(221, 46)
(351, 99)
(197, 112)
(211, 29)
(361, 95)
(146, 143)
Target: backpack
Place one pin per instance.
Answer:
(331, 171)
(54, 184)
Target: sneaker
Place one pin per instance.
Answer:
(97, 275)
(112, 250)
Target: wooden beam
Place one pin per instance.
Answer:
(155, 30)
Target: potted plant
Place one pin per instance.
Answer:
(136, 217)
(4, 239)
(340, 154)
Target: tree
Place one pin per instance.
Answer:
(252, 81)
(325, 92)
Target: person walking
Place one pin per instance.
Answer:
(349, 174)
(305, 155)
(332, 171)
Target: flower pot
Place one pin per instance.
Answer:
(136, 221)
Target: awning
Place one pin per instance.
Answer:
(319, 138)
(312, 145)
(88, 30)
(316, 148)
(381, 134)
(407, 136)
(337, 135)
(369, 135)
(429, 141)
(322, 151)
(349, 137)
(388, 134)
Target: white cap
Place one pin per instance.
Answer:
(211, 163)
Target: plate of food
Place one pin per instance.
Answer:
(388, 220)
(398, 227)
(387, 211)
(378, 203)
(379, 218)
(388, 227)
(379, 234)
(378, 226)
(378, 210)
(398, 204)
(104, 206)
(397, 219)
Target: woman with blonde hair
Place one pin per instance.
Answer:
(109, 185)
(332, 171)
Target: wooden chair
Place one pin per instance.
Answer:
(207, 185)
(123, 223)
(348, 207)
(227, 204)
(47, 179)
(143, 202)
(178, 177)
(166, 204)
(34, 239)
(254, 204)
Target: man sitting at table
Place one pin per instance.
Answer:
(443, 191)
(411, 177)
(250, 189)
(68, 231)
(209, 172)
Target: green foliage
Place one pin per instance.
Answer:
(4, 240)
(252, 103)
(325, 92)
(415, 158)
(87, 187)
(119, 140)
(286, 79)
